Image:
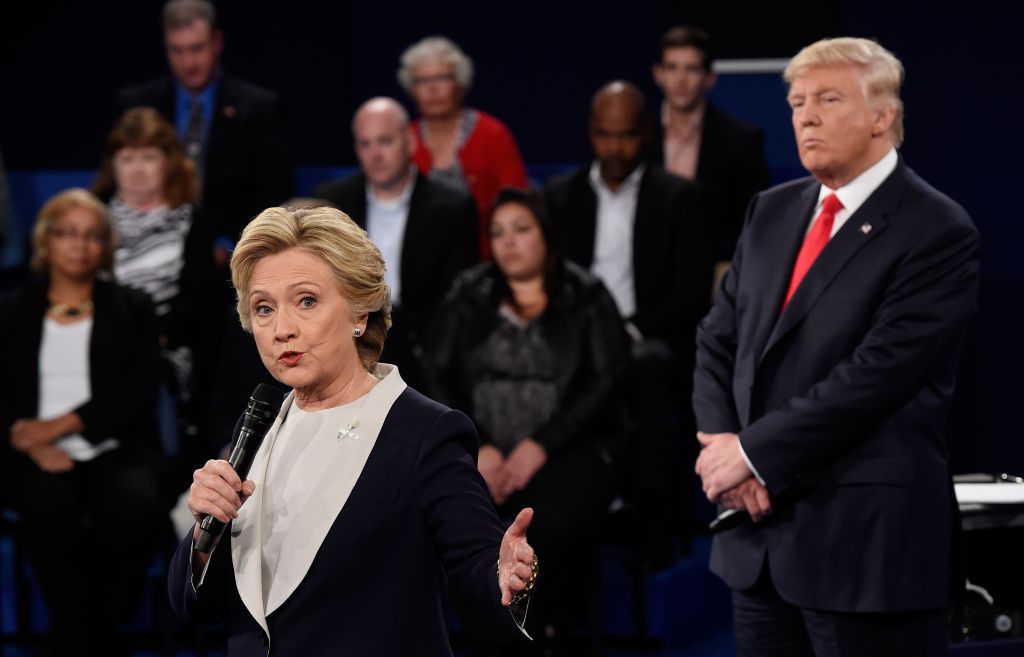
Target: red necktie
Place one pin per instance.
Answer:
(813, 244)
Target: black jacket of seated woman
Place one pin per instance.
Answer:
(78, 434)
(532, 348)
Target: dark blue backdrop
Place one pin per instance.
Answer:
(537, 63)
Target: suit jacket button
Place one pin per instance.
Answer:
(263, 639)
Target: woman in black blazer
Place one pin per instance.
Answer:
(77, 412)
(362, 509)
(532, 348)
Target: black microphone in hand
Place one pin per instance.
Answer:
(260, 413)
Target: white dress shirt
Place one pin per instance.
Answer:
(613, 243)
(385, 225)
(852, 195)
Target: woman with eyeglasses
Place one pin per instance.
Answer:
(78, 426)
(464, 147)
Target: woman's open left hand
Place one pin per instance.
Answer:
(515, 559)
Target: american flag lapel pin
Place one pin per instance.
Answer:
(865, 228)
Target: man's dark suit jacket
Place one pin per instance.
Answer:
(731, 168)
(671, 253)
(841, 400)
(440, 241)
(418, 524)
(248, 164)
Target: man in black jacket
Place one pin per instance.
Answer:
(427, 232)
(643, 232)
(697, 141)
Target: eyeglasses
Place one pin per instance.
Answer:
(72, 235)
(433, 79)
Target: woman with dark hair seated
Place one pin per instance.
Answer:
(78, 426)
(531, 347)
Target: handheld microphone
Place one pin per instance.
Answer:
(260, 413)
(728, 519)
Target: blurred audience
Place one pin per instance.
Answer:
(643, 232)
(426, 231)
(162, 247)
(697, 141)
(234, 131)
(463, 147)
(532, 348)
(79, 428)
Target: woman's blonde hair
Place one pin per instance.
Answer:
(57, 207)
(329, 234)
(882, 71)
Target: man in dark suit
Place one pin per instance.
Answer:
(824, 375)
(426, 231)
(643, 232)
(234, 131)
(697, 141)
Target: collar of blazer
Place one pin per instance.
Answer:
(310, 528)
(850, 239)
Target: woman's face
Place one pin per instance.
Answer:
(434, 89)
(75, 244)
(140, 172)
(301, 322)
(517, 242)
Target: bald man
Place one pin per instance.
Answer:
(427, 232)
(644, 233)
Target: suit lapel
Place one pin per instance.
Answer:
(247, 530)
(863, 226)
(773, 277)
(328, 493)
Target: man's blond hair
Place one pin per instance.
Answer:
(882, 73)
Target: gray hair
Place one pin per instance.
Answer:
(182, 13)
(435, 47)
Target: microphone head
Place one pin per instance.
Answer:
(268, 394)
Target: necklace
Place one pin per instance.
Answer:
(71, 309)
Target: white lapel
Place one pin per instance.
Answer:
(246, 529)
(327, 494)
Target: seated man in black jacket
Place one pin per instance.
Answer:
(427, 232)
(643, 232)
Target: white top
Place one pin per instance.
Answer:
(385, 225)
(301, 453)
(853, 194)
(613, 243)
(64, 382)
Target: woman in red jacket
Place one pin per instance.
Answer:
(467, 148)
